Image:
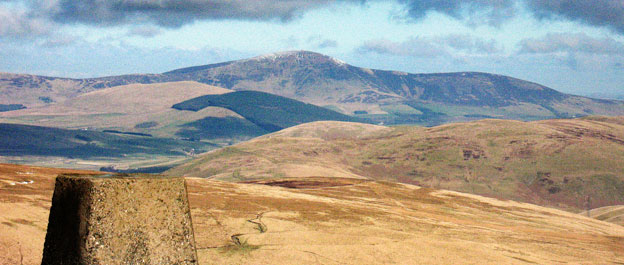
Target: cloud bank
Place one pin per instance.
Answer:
(35, 17)
(175, 13)
(609, 13)
(491, 12)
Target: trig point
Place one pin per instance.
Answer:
(119, 219)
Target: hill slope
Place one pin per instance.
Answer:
(553, 162)
(269, 112)
(36, 91)
(385, 96)
(131, 108)
(338, 221)
(612, 214)
(18, 140)
(199, 112)
(135, 98)
(44, 145)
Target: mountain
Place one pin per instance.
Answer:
(395, 97)
(552, 162)
(321, 80)
(337, 221)
(384, 96)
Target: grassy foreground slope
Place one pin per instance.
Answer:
(553, 162)
(337, 221)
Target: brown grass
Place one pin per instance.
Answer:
(344, 221)
(134, 98)
(123, 107)
(613, 214)
(553, 163)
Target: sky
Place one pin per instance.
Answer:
(574, 46)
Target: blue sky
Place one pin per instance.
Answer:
(574, 46)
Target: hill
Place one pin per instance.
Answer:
(552, 162)
(42, 145)
(269, 112)
(199, 112)
(134, 98)
(337, 221)
(139, 108)
(385, 96)
(36, 91)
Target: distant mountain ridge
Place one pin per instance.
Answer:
(389, 96)
(307, 68)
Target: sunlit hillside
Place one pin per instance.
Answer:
(553, 162)
(337, 221)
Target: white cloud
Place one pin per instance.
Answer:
(572, 43)
(16, 23)
(453, 45)
(609, 13)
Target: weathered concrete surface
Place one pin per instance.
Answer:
(135, 219)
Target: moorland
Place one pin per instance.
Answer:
(300, 158)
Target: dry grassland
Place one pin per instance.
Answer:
(612, 214)
(123, 107)
(338, 221)
(554, 163)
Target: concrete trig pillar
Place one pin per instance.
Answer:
(120, 219)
